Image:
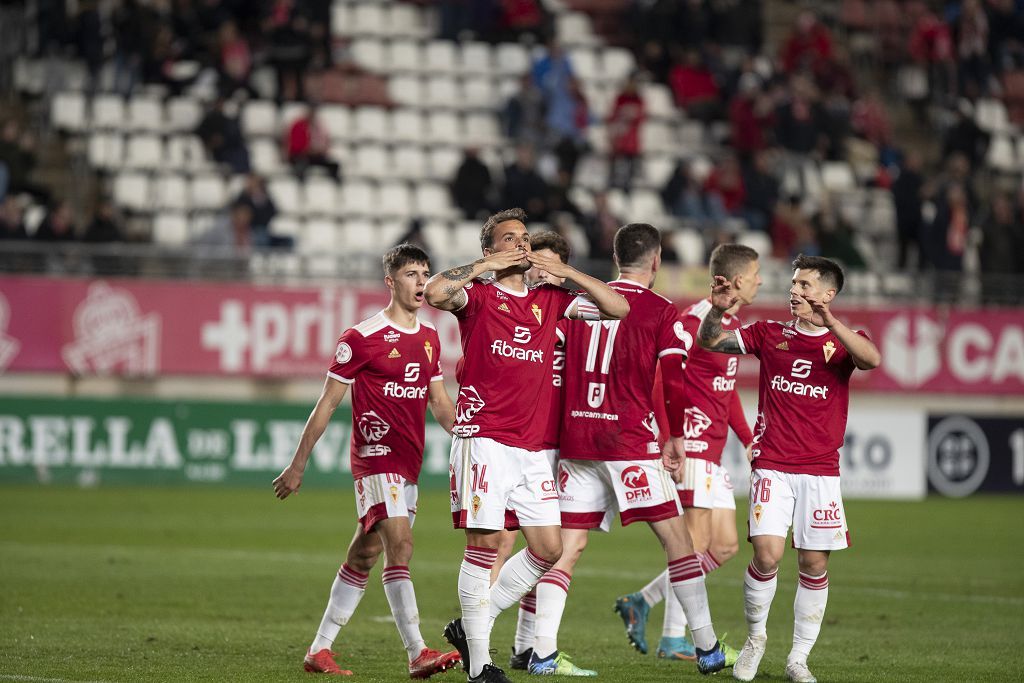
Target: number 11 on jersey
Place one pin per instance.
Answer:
(596, 390)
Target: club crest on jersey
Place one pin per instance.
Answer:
(476, 505)
(391, 337)
(782, 346)
(536, 313)
(504, 307)
(394, 493)
(829, 348)
(430, 350)
(394, 354)
(758, 511)
(371, 426)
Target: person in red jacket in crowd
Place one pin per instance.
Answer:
(624, 123)
(808, 43)
(308, 143)
(695, 88)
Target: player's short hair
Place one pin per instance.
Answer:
(550, 239)
(487, 232)
(634, 243)
(729, 260)
(827, 269)
(402, 255)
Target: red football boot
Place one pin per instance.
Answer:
(430, 662)
(323, 663)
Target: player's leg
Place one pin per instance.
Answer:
(634, 608)
(808, 611)
(674, 644)
(346, 592)
(723, 543)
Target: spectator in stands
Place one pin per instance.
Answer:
(57, 226)
(308, 144)
(972, 50)
(695, 89)
(870, 120)
(800, 124)
(965, 136)
(12, 222)
(261, 206)
(931, 46)
(553, 75)
(835, 236)
(908, 196)
(289, 47)
(134, 27)
(761, 192)
(523, 185)
(319, 15)
(668, 248)
(724, 191)
(683, 197)
(600, 228)
(1002, 251)
(235, 63)
(559, 203)
(947, 234)
(89, 40)
(523, 115)
(18, 154)
(105, 225)
(414, 235)
(232, 232)
(791, 232)
(809, 42)
(751, 114)
(623, 124)
(1006, 35)
(522, 18)
(473, 188)
(222, 137)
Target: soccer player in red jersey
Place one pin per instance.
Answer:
(803, 398)
(500, 477)
(710, 406)
(392, 362)
(610, 459)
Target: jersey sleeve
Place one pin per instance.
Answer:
(474, 298)
(738, 421)
(671, 334)
(436, 373)
(691, 324)
(586, 309)
(349, 357)
(751, 337)
(848, 361)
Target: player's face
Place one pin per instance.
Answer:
(407, 285)
(807, 283)
(748, 282)
(508, 236)
(535, 275)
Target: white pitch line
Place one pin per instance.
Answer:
(38, 679)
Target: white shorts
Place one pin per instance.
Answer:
(381, 496)
(811, 504)
(706, 485)
(591, 491)
(494, 486)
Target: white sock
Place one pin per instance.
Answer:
(525, 624)
(688, 585)
(346, 592)
(475, 599)
(758, 593)
(654, 592)
(674, 624)
(808, 613)
(552, 590)
(402, 599)
(515, 580)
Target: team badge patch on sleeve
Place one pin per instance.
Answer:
(343, 354)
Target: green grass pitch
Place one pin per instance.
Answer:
(186, 584)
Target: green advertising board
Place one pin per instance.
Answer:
(95, 441)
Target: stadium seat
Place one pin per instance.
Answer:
(67, 113)
(105, 150)
(617, 64)
(475, 59)
(320, 197)
(319, 236)
(645, 206)
(407, 125)
(443, 127)
(108, 112)
(404, 56)
(443, 162)
(584, 64)
(512, 59)
(656, 136)
(438, 236)
(186, 152)
(336, 120)
(183, 114)
(658, 101)
(597, 138)
(290, 113)
(341, 19)
(265, 156)
(370, 161)
(367, 19)
(1001, 154)
(433, 201)
(131, 191)
(409, 162)
(465, 245)
(482, 129)
(439, 57)
(655, 170)
(574, 29)
(144, 152)
(407, 21)
(145, 114)
(478, 93)
(283, 225)
(284, 190)
(170, 229)
(260, 117)
(369, 53)
(691, 135)
(358, 198)
(990, 115)
(689, 245)
(837, 176)
(600, 99)
(592, 172)
(394, 199)
(170, 192)
(370, 124)
(441, 92)
(759, 241)
(406, 90)
(582, 198)
(207, 191)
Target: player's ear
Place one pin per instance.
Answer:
(829, 295)
(389, 282)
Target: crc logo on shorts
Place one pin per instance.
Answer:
(469, 404)
(637, 487)
(343, 354)
(372, 427)
(827, 518)
(548, 490)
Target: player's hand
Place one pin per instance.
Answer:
(500, 260)
(551, 264)
(750, 454)
(672, 455)
(287, 483)
(723, 296)
(816, 312)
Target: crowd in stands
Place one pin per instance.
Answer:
(769, 114)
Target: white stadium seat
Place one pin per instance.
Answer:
(617, 64)
(394, 199)
(406, 90)
(265, 156)
(286, 226)
(371, 161)
(512, 59)
(443, 162)
(441, 92)
(584, 64)
(645, 206)
(208, 192)
(433, 200)
(186, 152)
(690, 246)
(67, 112)
(438, 236)
(368, 19)
(336, 120)
(369, 53)
(131, 191)
(837, 176)
(108, 112)
(443, 127)
(482, 129)
(407, 125)
(475, 58)
(183, 114)
(319, 236)
(144, 152)
(479, 93)
(358, 198)
(370, 123)
(170, 191)
(360, 234)
(284, 190)
(320, 197)
(260, 117)
(757, 240)
(574, 29)
(439, 57)
(105, 150)
(145, 114)
(404, 56)
(410, 162)
(170, 229)
(407, 21)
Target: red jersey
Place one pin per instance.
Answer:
(803, 396)
(508, 339)
(609, 377)
(390, 369)
(710, 389)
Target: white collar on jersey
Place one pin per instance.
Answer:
(399, 327)
(511, 291)
(630, 282)
(818, 333)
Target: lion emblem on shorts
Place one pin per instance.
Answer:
(469, 404)
(372, 427)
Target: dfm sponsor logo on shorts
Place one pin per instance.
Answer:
(396, 390)
(522, 336)
(827, 518)
(721, 383)
(801, 370)
(637, 487)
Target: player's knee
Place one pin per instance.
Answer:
(813, 566)
(765, 560)
(363, 557)
(548, 550)
(724, 552)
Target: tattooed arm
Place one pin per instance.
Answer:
(710, 335)
(445, 290)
